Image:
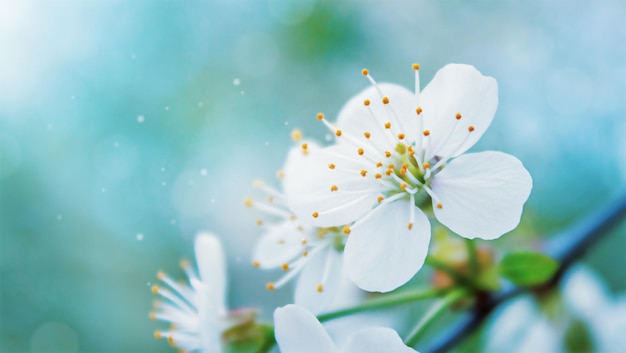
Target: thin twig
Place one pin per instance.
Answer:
(566, 247)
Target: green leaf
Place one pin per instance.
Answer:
(528, 268)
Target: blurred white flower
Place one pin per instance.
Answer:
(310, 253)
(197, 311)
(298, 331)
(395, 151)
(585, 318)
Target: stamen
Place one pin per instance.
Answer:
(400, 136)
(388, 125)
(320, 288)
(296, 135)
(315, 214)
(365, 72)
(270, 286)
(378, 176)
(380, 199)
(445, 159)
(387, 154)
(426, 132)
(346, 230)
(320, 116)
(379, 164)
(426, 165)
(331, 166)
(458, 116)
(385, 100)
(280, 174)
(248, 202)
(419, 110)
(334, 188)
(367, 134)
(363, 173)
(470, 128)
(416, 68)
(366, 102)
(256, 264)
(285, 266)
(338, 133)
(360, 151)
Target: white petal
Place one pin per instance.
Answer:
(308, 182)
(376, 340)
(325, 268)
(382, 253)
(584, 293)
(212, 267)
(280, 244)
(482, 194)
(355, 118)
(457, 89)
(298, 331)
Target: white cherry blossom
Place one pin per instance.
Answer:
(197, 310)
(310, 255)
(298, 331)
(397, 152)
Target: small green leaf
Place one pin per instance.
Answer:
(528, 268)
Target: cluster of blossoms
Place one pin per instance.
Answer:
(360, 208)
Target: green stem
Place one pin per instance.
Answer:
(455, 274)
(472, 256)
(433, 314)
(383, 302)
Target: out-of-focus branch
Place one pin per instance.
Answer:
(566, 247)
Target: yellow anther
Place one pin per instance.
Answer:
(391, 166)
(320, 288)
(320, 116)
(410, 225)
(363, 173)
(315, 214)
(305, 253)
(152, 316)
(470, 128)
(388, 171)
(378, 176)
(426, 132)
(365, 72)
(184, 263)
(403, 186)
(426, 165)
(300, 228)
(303, 241)
(416, 67)
(281, 241)
(280, 174)
(305, 146)
(155, 289)
(293, 217)
(387, 125)
(334, 188)
(296, 135)
(248, 202)
(360, 151)
(331, 166)
(160, 275)
(419, 110)
(170, 339)
(385, 100)
(458, 116)
(387, 154)
(379, 164)
(380, 199)
(285, 266)
(346, 230)
(400, 136)
(157, 335)
(439, 205)
(366, 102)
(259, 222)
(367, 134)
(270, 286)
(256, 264)
(338, 133)
(402, 171)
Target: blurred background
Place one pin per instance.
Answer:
(128, 126)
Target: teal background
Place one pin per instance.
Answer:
(219, 87)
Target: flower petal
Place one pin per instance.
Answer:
(211, 265)
(280, 244)
(355, 118)
(456, 89)
(298, 331)
(376, 340)
(382, 253)
(482, 194)
(308, 182)
(325, 269)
